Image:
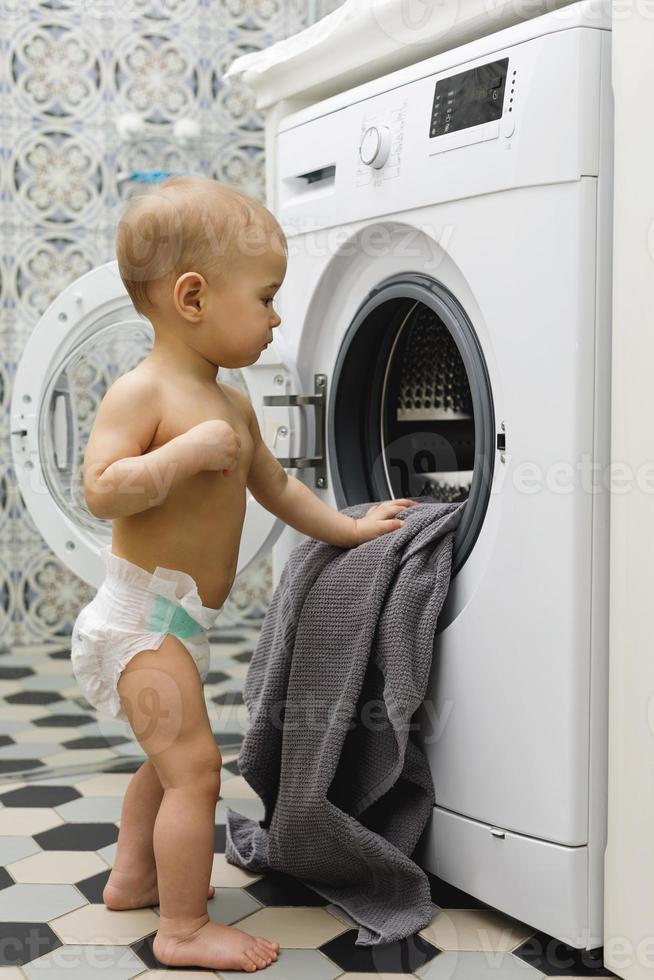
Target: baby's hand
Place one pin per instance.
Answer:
(218, 444)
(379, 519)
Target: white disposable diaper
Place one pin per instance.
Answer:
(134, 610)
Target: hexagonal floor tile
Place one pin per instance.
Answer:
(97, 925)
(6, 881)
(22, 712)
(475, 930)
(82, 962)
(74, 717)
(13, 727)
(229, 905)
(296, 927)
(8, 766)
(25, 941)
(396, 957)
(180, 974)
(105, 784)
(92, 887)
(276, 888)
(27, 821)
(77, 757)
(477, 966)
(236, 788)
(39, 796)
(39, 750)
(38, 903)
(15, 848)
(33, 697)
(226, 875)
(56, 867)
(57, 735)
(377, 976)
(74, 836)
(249, 807)
(91, 809)
(554, 958)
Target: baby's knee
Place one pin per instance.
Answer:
(196, 768)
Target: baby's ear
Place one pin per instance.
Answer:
(189, 294)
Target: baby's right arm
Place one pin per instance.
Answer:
(120, 478)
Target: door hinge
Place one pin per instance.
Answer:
(319, 402)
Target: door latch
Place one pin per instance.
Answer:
(319, 401)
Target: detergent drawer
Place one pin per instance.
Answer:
(542, 884)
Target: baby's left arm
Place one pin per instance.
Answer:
(293, 502)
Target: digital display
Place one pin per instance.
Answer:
(474, 97)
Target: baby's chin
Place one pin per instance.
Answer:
(245, 361)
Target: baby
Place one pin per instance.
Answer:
(171, 453)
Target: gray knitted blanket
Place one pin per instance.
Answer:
(341, 665)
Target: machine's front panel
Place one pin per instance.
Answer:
(522, 116)
(512, 665)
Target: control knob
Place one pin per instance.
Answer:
(375, 146)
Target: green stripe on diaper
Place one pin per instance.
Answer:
(181, 624)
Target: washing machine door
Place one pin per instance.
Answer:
(89, 336)
(412, 410)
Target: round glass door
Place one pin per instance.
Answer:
(69, 405)
(89, 336)
(71, 401)
(412, 410)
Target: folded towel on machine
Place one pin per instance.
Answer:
(341, 665)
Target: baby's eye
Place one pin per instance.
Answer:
(268, 300)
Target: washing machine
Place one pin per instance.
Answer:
(445, 335)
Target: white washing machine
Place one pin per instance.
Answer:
(446, 326)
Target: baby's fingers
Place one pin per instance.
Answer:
(390, 507)
(390, 524)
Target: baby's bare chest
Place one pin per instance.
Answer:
(182, 411)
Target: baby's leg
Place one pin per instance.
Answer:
(163, 698)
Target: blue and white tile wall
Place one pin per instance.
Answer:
(68, 68)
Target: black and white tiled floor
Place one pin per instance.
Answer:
(63, 773)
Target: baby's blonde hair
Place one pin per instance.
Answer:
(190, 224)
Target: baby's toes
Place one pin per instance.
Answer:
(257, 956)
(273, 947)
(268, 954)
(248, 964)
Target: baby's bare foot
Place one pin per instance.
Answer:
(215, 946)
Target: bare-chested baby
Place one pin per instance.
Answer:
(171, 453)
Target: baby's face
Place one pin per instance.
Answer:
(239, 315)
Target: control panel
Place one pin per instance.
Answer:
(468, 99)
(513, 116)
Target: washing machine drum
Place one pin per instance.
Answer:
(412, 410)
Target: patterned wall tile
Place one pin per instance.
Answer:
(68, 69)
(56, 69)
